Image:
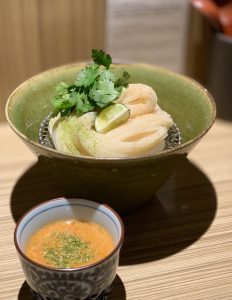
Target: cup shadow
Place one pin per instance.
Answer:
(118, 291)
(178, 216)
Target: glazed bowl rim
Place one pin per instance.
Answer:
(86, 267)
(110, 159)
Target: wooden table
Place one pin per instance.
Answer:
(177, 247)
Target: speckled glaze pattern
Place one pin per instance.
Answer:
(124, 184)
(88, 284)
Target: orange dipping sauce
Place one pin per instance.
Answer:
(69, 244)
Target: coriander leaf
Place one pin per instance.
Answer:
(64, 105)
(106, 74)
(103, 92)
(123, 80)
(101, 58)
(72, 88)
(87, 76)
(83, 104)
(65, 97)
(56, 102)
(94, 87)
(60, 103)
(68, 100)
(61, 88)
(66, 111)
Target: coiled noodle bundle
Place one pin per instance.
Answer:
(143, 133)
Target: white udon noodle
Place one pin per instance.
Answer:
(143, 133)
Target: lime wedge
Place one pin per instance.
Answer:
(111, 117)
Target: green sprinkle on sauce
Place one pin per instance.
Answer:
(64, 250)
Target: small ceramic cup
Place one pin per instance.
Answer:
(89, 282)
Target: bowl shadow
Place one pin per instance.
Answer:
(179, 215)
(118, 291)
(32, 188)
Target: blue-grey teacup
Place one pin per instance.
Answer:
(89, 282)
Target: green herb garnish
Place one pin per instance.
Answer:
(95, 87)
(122, 81)
(64, 250)
(101, 58)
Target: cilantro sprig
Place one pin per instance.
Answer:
(101, 58)
(94, 88)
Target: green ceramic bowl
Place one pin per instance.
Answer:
(124, 184)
